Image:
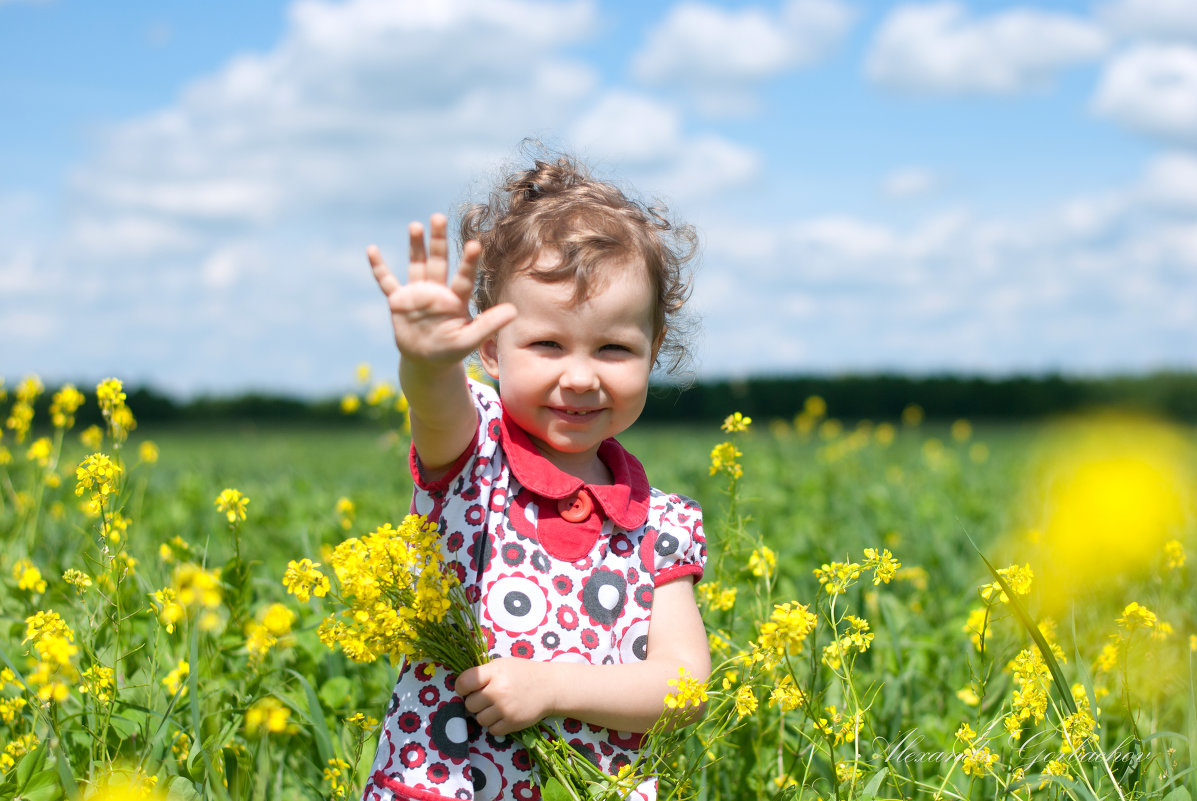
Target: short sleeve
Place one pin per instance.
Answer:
(471, 469)
(680, 547)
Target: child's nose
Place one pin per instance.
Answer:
(579, 375)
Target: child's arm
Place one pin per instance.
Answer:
(434, 332)
(510, 694)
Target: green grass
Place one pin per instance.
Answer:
(811, 500)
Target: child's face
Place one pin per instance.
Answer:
(572, 375)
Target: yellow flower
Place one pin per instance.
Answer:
(350, 404)
(961, 430)
(303, 580)
(98, 681)
(380, 394)
(723, 460)
(346, 511)
(884, 433)
(65, 403)
(786, 696)
(762, 562)
(337, 777)
(147, 451)
(110, 395)
(268, 716)
(278, 619)
(736, 423)
(232, 503)
(883, 565)
(28, 576)
(258, 642)
(363, 373)
(98, 474)
(786, 630)
(978, 626)
(912, 415)
(1019, 579)
(716, 596)
(836, 577)
(814, 406)
(39, 452)
(92, 437)
(1135, 617)
(1079, 728)
(1174, 553)
(965, 734)
(745, 701)
(174, 680)
(689, 691)
(978, 761)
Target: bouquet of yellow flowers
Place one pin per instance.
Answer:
(398, 598)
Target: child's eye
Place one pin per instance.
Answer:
(545, 343)
(620, 348)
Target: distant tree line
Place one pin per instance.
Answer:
(852, 397)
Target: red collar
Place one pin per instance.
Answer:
(624, 502)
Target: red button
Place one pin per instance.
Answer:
(575, 509)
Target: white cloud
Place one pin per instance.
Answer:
(1151, 19)
(1152, 89)
(908, 182)
(719, 54)
(936, 48)
(1105, 282)
(1171, 182)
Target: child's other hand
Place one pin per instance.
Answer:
(508, 694)
(431, 318)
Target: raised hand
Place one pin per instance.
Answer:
(431, 318)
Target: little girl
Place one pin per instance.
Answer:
(581, 572)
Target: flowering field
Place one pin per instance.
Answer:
(166, 638)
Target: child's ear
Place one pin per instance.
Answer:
(488, 354)
(657, 343)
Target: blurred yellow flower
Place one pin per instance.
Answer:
(174, 680)
(28, 576)
(1136, 617)
(762, 562)
(65, 403)
(363, 373)
(92, 437)
(814, 406)
(232, 503)
(884, 433)
(147, 451)
(962, 430)
(912, 415)
(268, 716)
(1174, 553)
(735, 423)
(350, 404)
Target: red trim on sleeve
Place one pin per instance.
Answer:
(441, 484)
(677, 571)
(403, 792)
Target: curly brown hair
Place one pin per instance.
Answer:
(558, 205)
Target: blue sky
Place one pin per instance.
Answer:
(187, 190)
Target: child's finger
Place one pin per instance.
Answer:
(438, 249)
(418, 267)
(387, 281)
(488, 323)
(467, 272)
(468, 681)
